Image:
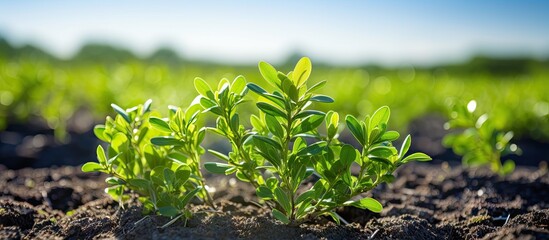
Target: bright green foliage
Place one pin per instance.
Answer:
(481, 142)
(223, 103)
(154, 157)
(285, 148)
(57, 91)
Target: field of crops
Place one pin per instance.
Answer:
(48, 108)
(54, 90)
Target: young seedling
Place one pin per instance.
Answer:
(164, 171)
(284, 147)
(480, 143)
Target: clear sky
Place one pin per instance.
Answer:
(395, 31)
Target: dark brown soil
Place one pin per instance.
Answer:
(425, 202)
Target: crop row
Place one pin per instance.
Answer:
(55, 91)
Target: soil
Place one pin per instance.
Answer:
(427, 201)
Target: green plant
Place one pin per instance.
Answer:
(481, 142)
(223, 103)
(285, 147)
(163, 170)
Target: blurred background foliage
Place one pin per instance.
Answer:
(74, 94)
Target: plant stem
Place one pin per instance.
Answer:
(196, 160)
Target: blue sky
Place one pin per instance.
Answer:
(390, 32)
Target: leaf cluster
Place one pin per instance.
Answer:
(287, 146)
(480, 143)
(158, 158)
(284, 147)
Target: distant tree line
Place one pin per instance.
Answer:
(99, 53)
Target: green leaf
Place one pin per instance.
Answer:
(215, 110)
(278, 100)
(239, 85)
(191, 114)
(366, 203)
(274, 126)
(257, 124)
(114, 181)
(390, 136)
(207, 103)
(332, 123)
(157, 175)
(379, 159)
(319, 188)
(334, 216)
(405, 146)
(169, 176)
(302, 71)
(255, 88)
(283, 199)
(309, 194)
(388, 178)
(376, 132)
(299, 144)
(332, 118)
(307, 113)
(111, 160)
(242, 177)
(121, 112)
(189, 196)
(101, 155)
(308, 124)
(219, 155)
(147, 106)
(274, 144)
(304, 207)
(316, 86)
(119, 143)
(215, 167)
(203, 87)
(322, 98)
(271, 110)
(235, 121)
(355, 128)
(347, 155)
(264, 193)
(269, 73)
(139, 183)
(99, 132)
(421, 157)
(200, 136)
(174, 156)
(223, 84)
(380, 116)
(91, 167)
(166, 141)
(182, 174)
(286, 84)
(159, 124)
(142, 133)
(168, 211)
(382, 151)
(280, 216)
(312, 149)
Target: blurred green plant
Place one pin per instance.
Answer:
(480, 143)
(57, 91)
(285, 148)
(163, 170)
